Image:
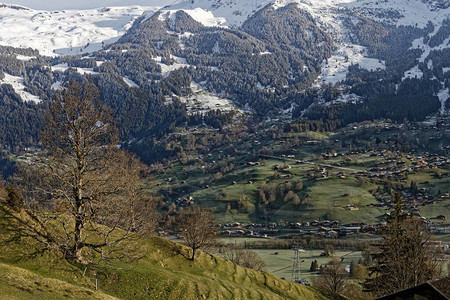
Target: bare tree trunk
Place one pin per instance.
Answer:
(80, 213)
(78, 238)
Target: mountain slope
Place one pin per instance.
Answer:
(68, 32)
(253, 60)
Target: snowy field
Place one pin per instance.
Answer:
(336, 68)
(166, 69)
(66, 32)
(63, 67)
(18, 86)
(201, 101)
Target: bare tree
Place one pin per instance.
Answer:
(406, 257)
(245, 258)
(142, 206)
(197, 228)
(328, 250)
(84, 194)
(3, 192)
(332, 277)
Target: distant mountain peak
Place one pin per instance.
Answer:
(13, 6)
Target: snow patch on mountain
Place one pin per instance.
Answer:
(17, 84)
(345, 98)
(443, 96)
(57, 86)
(420, 44)
(130, 82)
(335, 69)
(24, 57)
(201, 101)
(414, 72)
(265, 88)
(167, 69)
(64, 67)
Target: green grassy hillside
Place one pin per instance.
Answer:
(19, 283)
(164, 273)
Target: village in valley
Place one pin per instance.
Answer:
(338, 186)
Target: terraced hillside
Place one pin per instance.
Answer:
(164, 273)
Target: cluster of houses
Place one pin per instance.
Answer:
(253, 230)
(412, 200)
(327, 229)
(396, 168)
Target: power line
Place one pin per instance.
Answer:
(296, 276)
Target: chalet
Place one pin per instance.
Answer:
(349, 230)
(340, 175)
(314, 223)
(286, 176)
(323, 229)
(431, 290)
(351, 207)
(326, 223)
(332, 234)
(369, 228)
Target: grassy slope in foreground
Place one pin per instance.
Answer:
(18, 283)
(164, 273)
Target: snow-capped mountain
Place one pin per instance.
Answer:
(333, 15)
(399, 12)
(200, 62)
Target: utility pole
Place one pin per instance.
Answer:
(296, 276)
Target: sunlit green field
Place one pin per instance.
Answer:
(279, 262)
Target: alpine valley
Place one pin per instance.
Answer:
(227, 68)
(296, 122)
